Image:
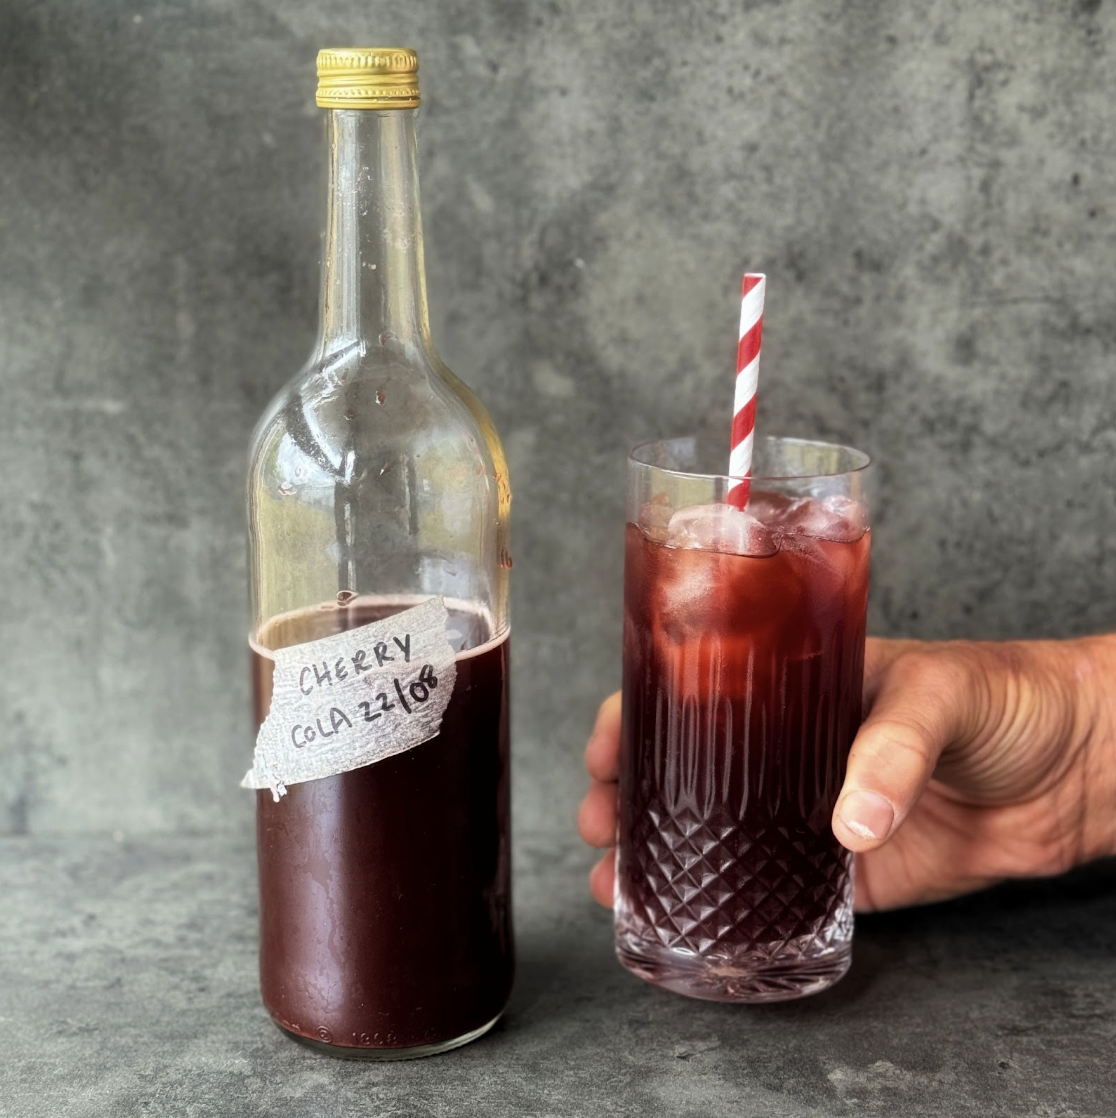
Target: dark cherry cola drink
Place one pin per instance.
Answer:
(743, 672)
(385, 914)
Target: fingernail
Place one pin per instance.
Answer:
(867, 814)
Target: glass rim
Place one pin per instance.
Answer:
(862, 459)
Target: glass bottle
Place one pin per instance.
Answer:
(377, 482)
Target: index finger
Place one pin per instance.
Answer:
(602, 754)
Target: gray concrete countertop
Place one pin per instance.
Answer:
(128, 987)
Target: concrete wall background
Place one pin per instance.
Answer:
(929, 188)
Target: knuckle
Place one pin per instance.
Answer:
(893, 737)
(945, 669)
(590, 755)
(609, 708)
(596, 817)
(936, 688)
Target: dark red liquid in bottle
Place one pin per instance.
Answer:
(385, 903)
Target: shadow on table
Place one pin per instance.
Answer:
(1013, 927)
(1077, 909)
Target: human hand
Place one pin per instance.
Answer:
(976, 762)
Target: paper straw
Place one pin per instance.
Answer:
(747, 380)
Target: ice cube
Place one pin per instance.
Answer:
(768, 506)
(687, 601)
(720, 528)
(654, 518)
(713, 599)
(820, 566)
(836, 518)
(853, 513)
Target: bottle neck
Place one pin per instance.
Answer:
(373, 277)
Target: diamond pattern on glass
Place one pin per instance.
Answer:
(707, 886)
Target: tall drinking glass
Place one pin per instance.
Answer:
(743, 670)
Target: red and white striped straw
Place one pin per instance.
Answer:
(747, 380)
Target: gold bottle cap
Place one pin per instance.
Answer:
(368, 78)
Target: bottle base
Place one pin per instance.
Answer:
(749, 977)
(342, 1052)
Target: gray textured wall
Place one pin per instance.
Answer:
(929, 188)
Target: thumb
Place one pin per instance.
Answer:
(925, 700)
(879, 654)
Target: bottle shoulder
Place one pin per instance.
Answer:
(487, 429)
(356, 411)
